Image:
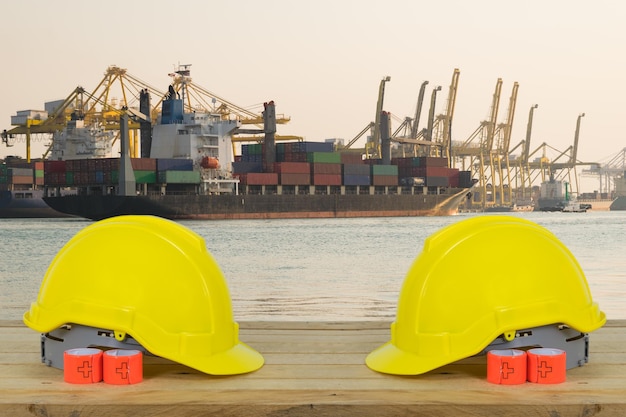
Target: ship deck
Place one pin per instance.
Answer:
(312, 368)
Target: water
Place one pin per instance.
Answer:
(317, 269)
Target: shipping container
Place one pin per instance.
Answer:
(20, 172)
(53, 166)
(258, 178)
(435, 181)
(351, 158)
(327, 179)
(323, 168)
(384, 170)
(178, 177)
(390, 180)
(20, 179)
(245, 167)
(355, 179)
(174, 164)
(433, 161)
(324, 157)
(146, 177)
(356, 169)
(326, 147)
(289, 178)
(292, 168)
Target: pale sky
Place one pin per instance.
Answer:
(321, 61)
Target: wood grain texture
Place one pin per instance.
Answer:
(312, 369)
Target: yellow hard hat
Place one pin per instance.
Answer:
(151, 279)
(476, 280)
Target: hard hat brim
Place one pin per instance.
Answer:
(239, 359)
(389, 359)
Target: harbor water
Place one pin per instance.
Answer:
(318, 269)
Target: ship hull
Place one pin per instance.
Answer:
(26, 204)
(274, 206)
(618, 204)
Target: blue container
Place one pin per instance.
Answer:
(173, 164)
(244, 167)
(356, 179)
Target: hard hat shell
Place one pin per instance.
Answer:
(152, 279)
(476, 280)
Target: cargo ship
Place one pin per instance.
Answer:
(189, 170)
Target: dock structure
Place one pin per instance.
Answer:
(312, 369)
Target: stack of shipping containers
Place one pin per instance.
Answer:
(21, 175)
(105, 171)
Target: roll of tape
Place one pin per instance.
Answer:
(82, 365)
(123, 366)
(506, 366)
(546, 365)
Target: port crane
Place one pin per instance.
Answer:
(437, 137)
(100, 106)
(608, 171)
(522, 169)
(474, 153)
(499, 156)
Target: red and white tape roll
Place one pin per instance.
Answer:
(123, 366)
(506, 366)
(82, 365)
(546, 365)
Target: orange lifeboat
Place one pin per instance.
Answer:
(209, 162)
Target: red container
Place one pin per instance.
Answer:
(54, 166)
(327, 179)
(390, 180)
(351, 158)
(21, 179)
(292, 168)
(322, 168)
(288, 178)
(259, 178)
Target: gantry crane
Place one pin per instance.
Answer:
(607, 172)
(443, 124)
(372, 146)
(474, 153)
(436, 138)
(499, 156)
(521, 177)
(101, 107)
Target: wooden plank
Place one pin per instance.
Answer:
(314, 369)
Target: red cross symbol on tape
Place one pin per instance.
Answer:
(123, 370)
(85, 369)
(544, 369)
(507, 370)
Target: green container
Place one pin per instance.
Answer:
(145, 177)
(69, 177)
(323, 157)
(384, 170)
(179, 177)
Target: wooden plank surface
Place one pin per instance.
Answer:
(312, 369)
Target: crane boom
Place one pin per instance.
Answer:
(447, 126)
(418, 110)
(576, 135)
(509, 119)
(529, 128)
(494, 115)
(379, 109)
